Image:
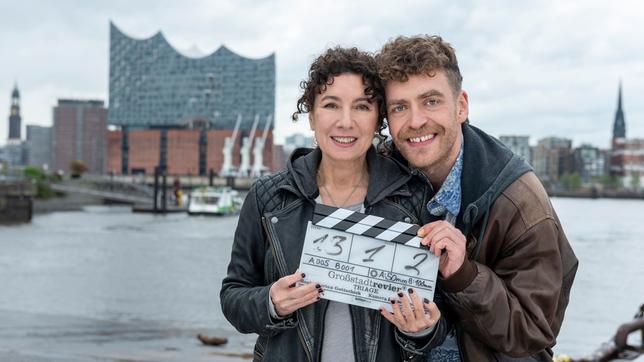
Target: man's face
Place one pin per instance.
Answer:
(425, 119)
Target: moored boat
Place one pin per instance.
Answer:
(213, 200)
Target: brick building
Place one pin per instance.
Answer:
(552, 158)
(79, 134)
(181, 148)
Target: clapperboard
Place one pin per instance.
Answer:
(367, 225)
(365, 259)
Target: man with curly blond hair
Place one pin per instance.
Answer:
(506, 266)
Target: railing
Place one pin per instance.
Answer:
(108, 195)
(186, 181)
(618, 348)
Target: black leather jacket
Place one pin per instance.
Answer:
(268, 245)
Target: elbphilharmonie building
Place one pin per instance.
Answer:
(153, 85)
(179, 114)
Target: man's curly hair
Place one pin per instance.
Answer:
(336, 61)
(421, 54)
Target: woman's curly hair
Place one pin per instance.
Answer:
(421, 54)
(336, 61)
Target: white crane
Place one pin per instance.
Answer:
(244, 168)
(229, 144)
(258, 150)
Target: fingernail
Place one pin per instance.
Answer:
(400, 294)
(320, 290)
(303, 275)
(393, 301)
(411, 291)
(425, 300)
(292, 285)
(318, 286)
(318, 297)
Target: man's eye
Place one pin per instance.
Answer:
(432, 102)
(397, 108)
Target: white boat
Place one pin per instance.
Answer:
(213, 200)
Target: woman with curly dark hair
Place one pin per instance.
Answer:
(262, 293)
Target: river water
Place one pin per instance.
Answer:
(105, 284)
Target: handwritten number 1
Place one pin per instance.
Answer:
(320, 240)
(373, 252)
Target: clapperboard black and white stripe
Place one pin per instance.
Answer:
(367, 225)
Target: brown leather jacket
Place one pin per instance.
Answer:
(508, 300)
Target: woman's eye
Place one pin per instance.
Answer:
(330, 106)
(363, 107)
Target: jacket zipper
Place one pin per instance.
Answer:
(461, 351)
(282, 269)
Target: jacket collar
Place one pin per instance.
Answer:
(489, 167)
(386, 176)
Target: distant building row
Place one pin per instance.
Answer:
(80, 132)
(554, 157)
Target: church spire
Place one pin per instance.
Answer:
(15, 95)
(619, 126)
(14, 115)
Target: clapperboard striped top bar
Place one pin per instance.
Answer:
(367, 225)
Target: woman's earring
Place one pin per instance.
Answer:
(378, 139)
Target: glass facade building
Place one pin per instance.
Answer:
(151, 85)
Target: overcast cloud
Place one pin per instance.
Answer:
(535, 68)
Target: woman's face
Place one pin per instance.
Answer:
(343, 120)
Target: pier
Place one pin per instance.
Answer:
(16, 201)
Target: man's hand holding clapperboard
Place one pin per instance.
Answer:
(365, 260)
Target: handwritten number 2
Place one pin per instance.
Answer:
(415, 267)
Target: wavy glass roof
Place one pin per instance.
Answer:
(153, 85)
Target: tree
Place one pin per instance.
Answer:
(610, 182)
(635, 180)
(571, 181)
(39, 177)
(34, 173)
(77, 168)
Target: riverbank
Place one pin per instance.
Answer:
(39, 337)
(67, 202)
(598, 194)
(16, 204)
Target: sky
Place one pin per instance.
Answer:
(537, 68)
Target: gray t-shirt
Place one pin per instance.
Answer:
(337, 343)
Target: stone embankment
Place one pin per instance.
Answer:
(16, 201)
